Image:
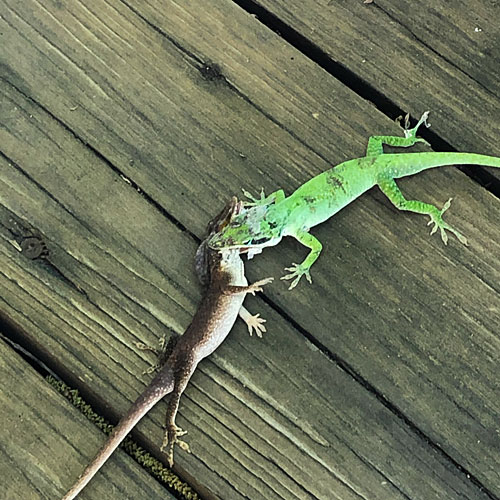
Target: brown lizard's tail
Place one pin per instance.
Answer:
(159, 387)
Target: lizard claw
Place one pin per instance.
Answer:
(170, 440)
(145, 347)
(255, 322)
(437, 220)
(162, 353)
(257, 286)
(412, 132)
(253, 201)
(297, 271)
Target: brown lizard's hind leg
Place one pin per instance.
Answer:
(172, 432)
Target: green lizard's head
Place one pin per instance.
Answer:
(248, 231)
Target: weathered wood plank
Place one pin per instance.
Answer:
(147, 113)
(186, 134)
(467, 35)
(272, 418)
(40, 430)
(428, 56)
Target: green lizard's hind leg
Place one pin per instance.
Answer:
(299, 270)
(391, 190)
(376, 142)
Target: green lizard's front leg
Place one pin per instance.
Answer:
(275, 197)
(299, 270)
(391, 190)
(376, 142)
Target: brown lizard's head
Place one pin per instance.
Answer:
(219, 222)
(249, 231)
(206, 259)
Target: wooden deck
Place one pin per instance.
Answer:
(125, 127)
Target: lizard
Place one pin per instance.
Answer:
(269, 219)
(226, 287)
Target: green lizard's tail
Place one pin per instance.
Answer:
(412, 163)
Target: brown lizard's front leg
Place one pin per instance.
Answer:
(254, 287)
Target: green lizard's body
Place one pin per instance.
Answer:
(327, 193)
(272, 218)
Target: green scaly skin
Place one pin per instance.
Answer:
(269, 219)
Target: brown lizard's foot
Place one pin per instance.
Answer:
(255, 322)
(257, 286)
(162, 353)
(145, 347)
(170, 439)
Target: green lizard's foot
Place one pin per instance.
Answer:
(264, 200)
(297, 271)
(437, 220)
(170, 440)
(254, 202)
(412, 132)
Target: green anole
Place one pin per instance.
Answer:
(271, 218)
(223, 274)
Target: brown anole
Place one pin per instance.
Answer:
(226, 287)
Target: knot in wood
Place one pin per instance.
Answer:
(33, 247)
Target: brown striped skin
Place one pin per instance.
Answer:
(226, 289)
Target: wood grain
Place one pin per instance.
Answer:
(40, 430)
(249, 408)
(118, 145)
(438, 56)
